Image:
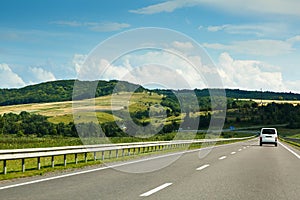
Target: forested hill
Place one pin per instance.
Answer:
(244, 94)
(63, 91)
(236, 93)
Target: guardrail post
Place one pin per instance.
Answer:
(65, 160)
(52, 161)
(4, 167)
(76, 158)
(122, 152)
(109, 156)
(139, 150)
(128, 151)
(95, 156)
(102, 155)
(39, 163)
(85, 157)
(134, 151)
(117, 153)
(23, 165)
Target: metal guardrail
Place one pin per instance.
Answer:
(296, 140)
(123, 149)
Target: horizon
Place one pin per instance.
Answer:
(259, 90)
(250, 47)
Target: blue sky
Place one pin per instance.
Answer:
(254, 45)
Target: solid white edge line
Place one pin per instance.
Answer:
(290, 150)
(222, 158)
(202, 167)
(146, 194)
(111, 166)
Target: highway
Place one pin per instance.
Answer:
(242, 170)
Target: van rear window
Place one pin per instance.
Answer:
(268, 131)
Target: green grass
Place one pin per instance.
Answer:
(294, 144)
(102, 117)
(14, 142)
(61, 118)
(285, 132)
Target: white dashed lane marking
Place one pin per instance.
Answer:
(146, 194)
(222, 158)
(202, 167)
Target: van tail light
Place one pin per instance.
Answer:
(276, 139)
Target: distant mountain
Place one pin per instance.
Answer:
(63, 91)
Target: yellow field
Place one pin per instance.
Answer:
(63, 111)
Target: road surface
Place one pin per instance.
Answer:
(241, 170)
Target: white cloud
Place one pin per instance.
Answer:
(40, 75)
(67, 23)
(249, 74)
(251, 29)
(255, 47)
(89, 68)
(78, 60)
(279, 7)
(107, 26)
(170, 71)
(293, 86)
(216, 28)
(167, 6)
(155, 67)
(183, 45)
(9, 79)
(94, 26)
(294, 39)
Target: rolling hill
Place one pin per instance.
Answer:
(62, 90)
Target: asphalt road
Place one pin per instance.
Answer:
(241, 170)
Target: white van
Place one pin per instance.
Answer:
(268, 136)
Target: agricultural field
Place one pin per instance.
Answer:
(63, 111)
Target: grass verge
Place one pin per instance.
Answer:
(294, 144)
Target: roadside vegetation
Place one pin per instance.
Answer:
(149, 110)
(42, 116)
